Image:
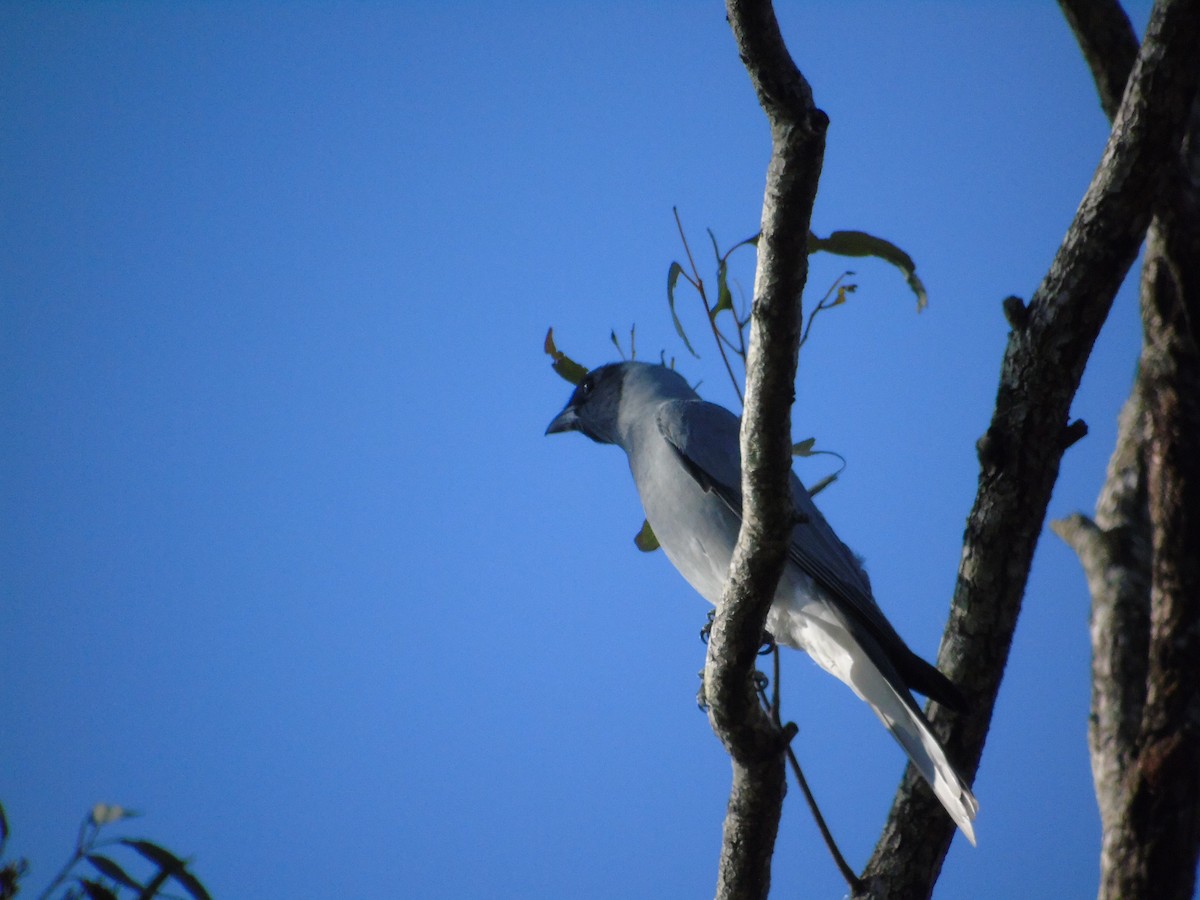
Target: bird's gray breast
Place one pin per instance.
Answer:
(696, 529)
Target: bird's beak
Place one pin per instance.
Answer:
(566, 420)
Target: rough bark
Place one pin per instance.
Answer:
(756, 744)
(1152, 848)
(1140, 559)
(1108, 43)
(1023, 446)
(1115, 552)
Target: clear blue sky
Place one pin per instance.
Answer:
(286, 562)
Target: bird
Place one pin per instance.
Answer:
(685, 457)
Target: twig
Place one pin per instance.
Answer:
(772, 707)
(698, 284)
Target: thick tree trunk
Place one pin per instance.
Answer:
(1151, 849)
(1142, 554)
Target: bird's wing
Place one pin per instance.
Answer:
(706, 438)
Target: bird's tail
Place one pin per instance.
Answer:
(841, 654)
(911, 730)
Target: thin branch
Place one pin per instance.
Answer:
(755, 744)
(772, 707)
(698, 284)
(695, 281)
(848, 873)
(822, 304)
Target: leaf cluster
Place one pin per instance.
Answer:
(731, 332)
(100, 868)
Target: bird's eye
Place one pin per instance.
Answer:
(586, 385)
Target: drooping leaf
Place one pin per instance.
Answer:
(822, 484)
(151, 889)
(918, 288)
(171, 867)
(645, 540)
(716, 249)
(804, 448)
(3, 827)
(672, 279)
(192, 885)
(95, 890)
(724, 297)
(859, 243)
(160, 856)
(112, 871)
(567, 368)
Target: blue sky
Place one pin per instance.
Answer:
(286, 562)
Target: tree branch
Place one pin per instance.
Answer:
(754, 742)
(1115, 554)
(1152, 844)
(1022, 448)
(1109, 45)
(1145, 726)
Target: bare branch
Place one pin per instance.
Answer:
(1152, 841)
(1115, 554)
(754, 742)
(1144, 736)
(1039, 376)
(1109, 45)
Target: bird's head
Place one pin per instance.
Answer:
(611, 402)
(594, 407)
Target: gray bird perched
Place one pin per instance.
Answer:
(686, 462)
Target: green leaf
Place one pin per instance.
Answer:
(171, 866)
(645, 539)
(822, 484)
(724, 297)
(160, 856)
(567, 368)
(95, 890)
(151, 889)
(918, 288)
(112, 871)
(672, 279)
(804, 448)
(192, 885)
(859, 243)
